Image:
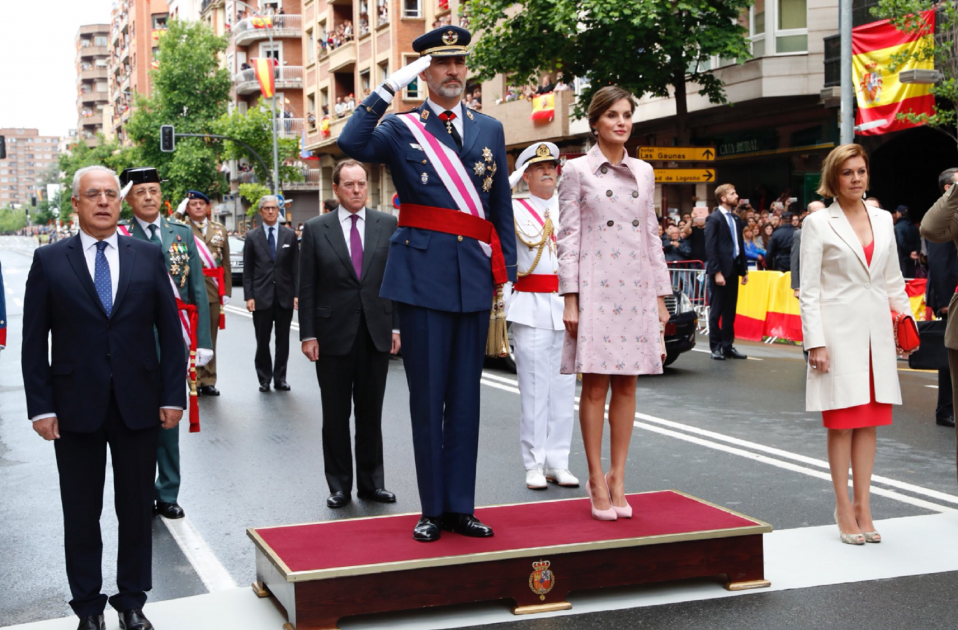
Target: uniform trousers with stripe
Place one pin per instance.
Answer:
(546, 397)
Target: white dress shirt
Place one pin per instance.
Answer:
(158, 222)
(346, 223)
(725, 217)
(458, 110)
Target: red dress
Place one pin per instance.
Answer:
(872, 414)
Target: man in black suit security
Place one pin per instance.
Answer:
(349, 331)
(942, 280)
(99, 296)
(270, 274)
(725, 264)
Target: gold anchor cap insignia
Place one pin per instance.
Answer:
(449, 38)
(543, 151)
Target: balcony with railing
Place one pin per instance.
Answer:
(287, 78)
(342, 58)
(253, 29)
(518, 127)
(92, 74)
(289, 127)
(93, 51)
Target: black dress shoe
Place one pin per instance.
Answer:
(282, 387)
(209, 390)
(946, 421)
(338, 499)
(93, 622)
(379, 495)
(427, 529)
(465, 524)
(264, 387)
(134, 620)
(718, 355)
(732, 353)
(169, 510)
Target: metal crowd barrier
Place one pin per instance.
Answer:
(689, 277)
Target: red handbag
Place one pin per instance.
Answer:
(906, 332)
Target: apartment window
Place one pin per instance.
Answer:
(413, 91)
(84, 43)
(99, 41)
(412, 8)
(159, 21)
(383, 72)
(324, 101)
(310, 46)
(229, 64)
(364, 82)
(778, 27)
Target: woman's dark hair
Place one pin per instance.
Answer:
(606, 98)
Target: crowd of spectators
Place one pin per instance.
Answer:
(342, 34)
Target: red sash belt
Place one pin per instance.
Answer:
(194, 318)
(538, 283)
(458, 223)
(220, 284)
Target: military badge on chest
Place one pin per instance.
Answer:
(486, 167)
(179, 261)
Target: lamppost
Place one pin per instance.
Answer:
(269, 33)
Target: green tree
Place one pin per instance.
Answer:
(190, 91)
(649, 47)
(253, 128)
(904, 15)
(12, 220)
(252, 193)
(108, 154)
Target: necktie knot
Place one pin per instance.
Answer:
(354, 217)
(101, 245)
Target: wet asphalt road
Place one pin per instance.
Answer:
(258, 462)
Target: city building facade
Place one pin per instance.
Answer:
(92, 61)
(30, 157)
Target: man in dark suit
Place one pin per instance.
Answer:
(908, 238)
(779, 247)
(349, 331)
(942, 280)
(100, 297)
(725, 264)
(270, 274)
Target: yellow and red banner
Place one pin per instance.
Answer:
(544, 107)
(157, 34)
(261, 22)
(880, 94)
(767, 306)
(263, 67)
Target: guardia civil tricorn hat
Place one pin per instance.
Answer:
(446, 41)
(140, 175)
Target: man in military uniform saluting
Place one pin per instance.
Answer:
(216, 256)
(449, 166)
(186, 270)
(535, 307)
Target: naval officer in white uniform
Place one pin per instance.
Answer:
(535, 310)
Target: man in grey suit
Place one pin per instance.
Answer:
(270, 270)
(349, 332)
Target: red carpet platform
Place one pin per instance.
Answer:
(321, 572)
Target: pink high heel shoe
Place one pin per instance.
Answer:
(620, 512)
(599, 515)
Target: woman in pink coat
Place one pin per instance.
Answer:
(612, 273)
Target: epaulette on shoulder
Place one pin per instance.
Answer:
(176, 221)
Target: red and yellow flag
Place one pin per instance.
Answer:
(881, 96)
(263, 66)
(544, 107)
(262, 22)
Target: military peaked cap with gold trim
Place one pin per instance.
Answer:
(446, 41)
(538, 152)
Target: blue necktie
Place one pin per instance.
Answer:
(101, 278)
(731, 225)
(272, 244)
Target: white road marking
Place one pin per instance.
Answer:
(932, 386)
(207, 566)
(511, 385)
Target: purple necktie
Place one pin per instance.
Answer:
(356, 247)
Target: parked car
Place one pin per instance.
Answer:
(679, 332)
(236, 259)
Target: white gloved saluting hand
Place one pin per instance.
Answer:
(203, 356)
(406, 75)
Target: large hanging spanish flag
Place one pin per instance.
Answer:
(879, 93)
(263, 67)
(544, 107)
(262, 22)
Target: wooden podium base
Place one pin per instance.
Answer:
(322, 572)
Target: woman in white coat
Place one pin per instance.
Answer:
(850, 285)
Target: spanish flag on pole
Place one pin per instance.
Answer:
(263, 66)
(262, 22)
(880, 94)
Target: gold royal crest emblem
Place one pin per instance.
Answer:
(449, 38)
(541, 580)
(543, 151)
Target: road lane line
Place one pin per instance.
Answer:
(207, 566)
(509, 385)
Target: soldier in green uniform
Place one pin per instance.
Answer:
(182, 261)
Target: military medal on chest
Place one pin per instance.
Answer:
(179, 260)
(481, 169)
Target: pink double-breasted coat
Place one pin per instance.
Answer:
(610, 254)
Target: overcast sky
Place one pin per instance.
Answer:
(39, 61)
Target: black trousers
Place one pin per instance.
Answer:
(353, 384)
(81, 462)
(722, 313)
(263, 319)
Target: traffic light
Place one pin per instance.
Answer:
(167, 139)
(33, 201)
(3, 148)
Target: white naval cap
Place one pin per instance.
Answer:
(538, 152)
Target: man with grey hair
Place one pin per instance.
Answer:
(270, 281)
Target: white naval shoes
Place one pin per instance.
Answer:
(535, 480)
(562, 477)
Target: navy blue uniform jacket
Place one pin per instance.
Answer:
(426, 268)
(90, 349)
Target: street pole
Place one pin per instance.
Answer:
(848, 92)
